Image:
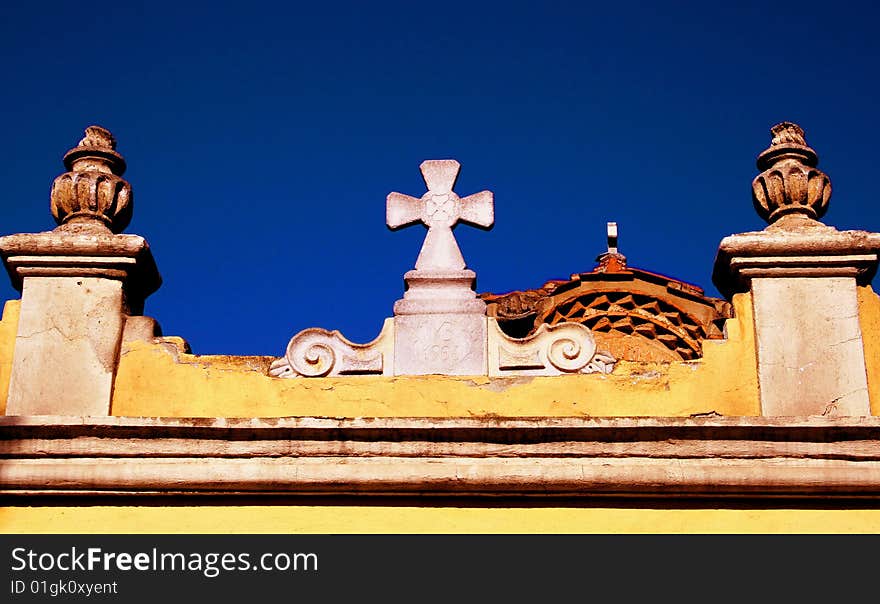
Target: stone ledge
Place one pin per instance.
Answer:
(645, 457)
(815, 250)
(68, 254)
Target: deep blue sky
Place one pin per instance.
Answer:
(262, 139)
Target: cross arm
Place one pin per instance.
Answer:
(402, 210)
(479, 209)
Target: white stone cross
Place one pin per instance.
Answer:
(440, 209)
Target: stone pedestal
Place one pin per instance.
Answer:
(440, 325)
(77, 288)
(803, 277)
(445, 344)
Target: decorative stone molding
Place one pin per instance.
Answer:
(551, 350)
(316, 352)
(794, 248)
(803, 276)
(92, 194)
(769, 460)
(440, 326)
(79, 284)
(72, 253)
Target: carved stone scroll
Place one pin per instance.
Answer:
(551, 350)
(317, 352)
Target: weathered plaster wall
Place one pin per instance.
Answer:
(160, 380)
(405, 519)
(869, 317)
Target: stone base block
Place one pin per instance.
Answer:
(810, 355)
(66, 348)
(448, 344)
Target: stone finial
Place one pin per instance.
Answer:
(92, 194)
(790, 183)
(440, 209)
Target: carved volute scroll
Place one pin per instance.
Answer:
(551, 350)
(92, 194)
(790, 183)
(316, 352)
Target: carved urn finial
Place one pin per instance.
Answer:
(92, 194)
(790, 183)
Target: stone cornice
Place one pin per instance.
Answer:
(644, 457)
(807, 249)
(62, 253)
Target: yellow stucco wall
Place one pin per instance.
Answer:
(869, 317)
(156, 380)
(160, 380)
(8, 327)
(405, 519)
